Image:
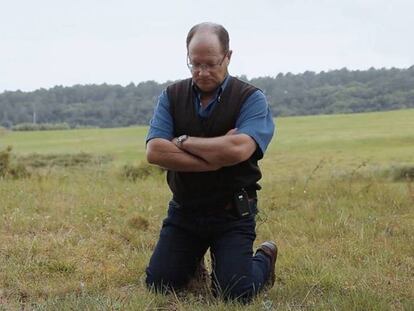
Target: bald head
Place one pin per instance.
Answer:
(207, 29)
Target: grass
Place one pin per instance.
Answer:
(80, 238)
(125, 145)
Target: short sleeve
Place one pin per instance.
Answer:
(255, 120)
(161, 124)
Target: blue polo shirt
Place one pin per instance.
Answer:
(254, 120)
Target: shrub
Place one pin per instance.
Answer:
(132, 173)
(5, 161)
(10, 168)
(404, 173)
(40, 127)
(63, 160)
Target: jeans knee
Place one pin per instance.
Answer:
(241, 290)
(153, 283)
(157, 286)
(163, 282)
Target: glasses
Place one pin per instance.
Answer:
(207, 67)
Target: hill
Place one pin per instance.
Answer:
(308, 93)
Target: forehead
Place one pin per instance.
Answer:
(205, 43)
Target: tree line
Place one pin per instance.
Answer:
(308, 93)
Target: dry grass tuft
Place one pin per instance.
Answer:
(138, 222)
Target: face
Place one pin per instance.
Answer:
(209, 61)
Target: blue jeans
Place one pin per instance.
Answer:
(185, 238)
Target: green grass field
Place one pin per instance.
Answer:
(80, 238)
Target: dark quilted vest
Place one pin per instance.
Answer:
(208, 189)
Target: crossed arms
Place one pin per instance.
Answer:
(199, 154)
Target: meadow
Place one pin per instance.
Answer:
(338, 198)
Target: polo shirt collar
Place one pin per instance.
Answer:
(219, 89)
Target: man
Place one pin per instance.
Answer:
(209, 132)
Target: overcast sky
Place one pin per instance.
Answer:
(46, 43)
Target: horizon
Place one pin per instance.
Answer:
(170, 80)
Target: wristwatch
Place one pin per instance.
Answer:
(181, 139)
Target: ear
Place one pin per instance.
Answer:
(230, 52)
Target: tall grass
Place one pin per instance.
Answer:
(80, 238)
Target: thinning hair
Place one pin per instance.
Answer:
(216, 29)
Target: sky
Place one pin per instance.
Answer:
(45, 43)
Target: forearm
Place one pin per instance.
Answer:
(166, 154)
(224, 150)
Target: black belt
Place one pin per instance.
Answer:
(219, 201)
(212, 210)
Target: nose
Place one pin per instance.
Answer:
(203, 71)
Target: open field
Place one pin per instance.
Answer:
(333, 198)
(125, 144)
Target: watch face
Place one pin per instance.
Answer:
(182, 138)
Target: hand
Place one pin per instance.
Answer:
(174, 141)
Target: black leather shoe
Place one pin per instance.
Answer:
(269, 248)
